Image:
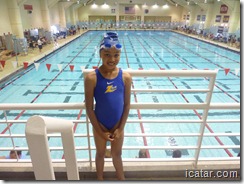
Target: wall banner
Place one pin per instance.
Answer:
(218, 18)
(226, 18)
(203, 17)
(198, 17)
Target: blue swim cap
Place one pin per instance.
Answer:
(109, 34)
(110, 39)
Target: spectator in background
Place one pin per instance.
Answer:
(44, 40)
(142, 153)
(108, 150)
(108, 153)
(233, 40)
(13, 154)
(55, 43)
(176, 154)
(238, 43)
(78, 28)
(39, 43)
(32, 44)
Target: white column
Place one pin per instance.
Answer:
(117, 13)
(192, 16)
(234, 23)
(62, 20)
(76, 17)
(72, 13)
(209, 17)
(45, 15)
(15, 18)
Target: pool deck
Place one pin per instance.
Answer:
(34, 55)
(221, 44)
(135, 171)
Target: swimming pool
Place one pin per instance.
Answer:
(141, 50)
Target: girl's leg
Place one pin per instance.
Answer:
(116, 151)
(100, 154)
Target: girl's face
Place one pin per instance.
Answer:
(110, 57)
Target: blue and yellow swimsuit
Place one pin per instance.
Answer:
(109, 97)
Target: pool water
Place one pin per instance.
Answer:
(146, 50)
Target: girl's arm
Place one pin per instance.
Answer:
(127, 94)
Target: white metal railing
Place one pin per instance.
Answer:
(206, 106)
(36, 131)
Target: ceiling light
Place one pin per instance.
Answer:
(144, 5)
(94, 5)
(155, 6)
(165, 6)
(105, 5)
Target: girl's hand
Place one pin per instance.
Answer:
(108, 136)
(117, 133)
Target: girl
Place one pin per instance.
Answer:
(111, 88)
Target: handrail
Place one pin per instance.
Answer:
(63, 106)
(139, 135)
(36, 130)
(166, 73)
(155, 121)
(51, 148)
(141, 160)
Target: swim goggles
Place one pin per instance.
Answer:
(118, 46)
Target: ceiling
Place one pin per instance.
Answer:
(191, 2)
(185, 3)
(76, 1)
(204, 4)
(179, 2)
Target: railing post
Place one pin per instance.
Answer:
(204, 118)
(10, 132)
(36, 130)
(89, 141)
(88, 131)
